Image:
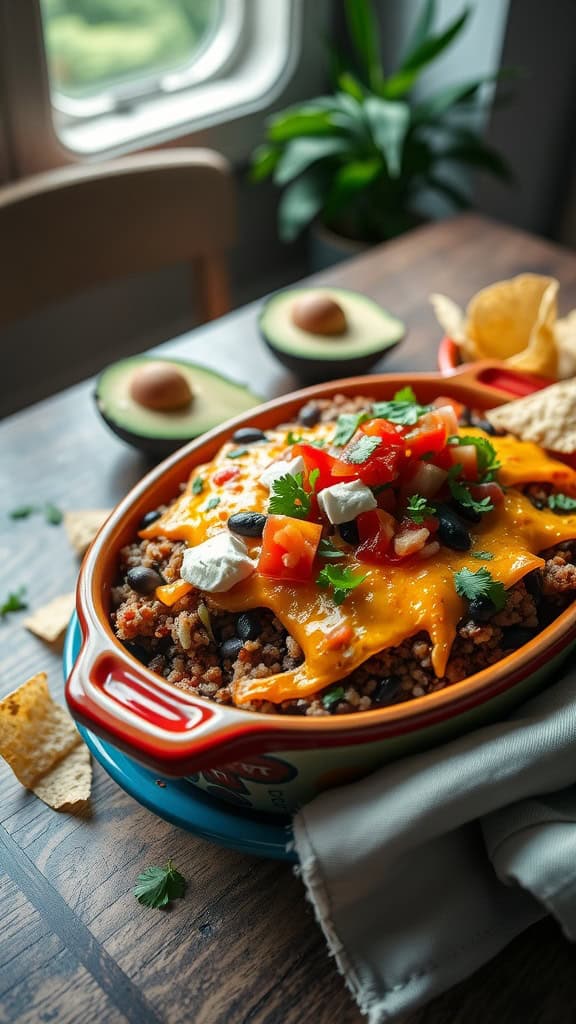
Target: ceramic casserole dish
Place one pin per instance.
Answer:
(277, 761)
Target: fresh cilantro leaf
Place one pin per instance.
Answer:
(292, 438)
(342, 580)
(288, 496)
(197, 485)
(460, 492)
(480, 584)
(561, 503)
(155, 887)
(418, 509)
(346, 426)
(14, 602)
(407, 413)
(405, 395)
(318, 442)
(236, 453)
(52, 514)
(485, 454)
(333, 697)
(326, 549)
(361, 448)
(22, 512)
(486, 556)
(211, 503)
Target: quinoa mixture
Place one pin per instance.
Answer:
(203, 650)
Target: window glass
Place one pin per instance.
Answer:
(105, 45)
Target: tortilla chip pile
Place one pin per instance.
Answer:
(515, 321)
(547, 417)
(44, 749)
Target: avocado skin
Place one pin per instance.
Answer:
(156, 447)
(315, 371)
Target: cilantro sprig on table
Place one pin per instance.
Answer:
(342, 580)
(289, 498)
(52, 514)
(461, 493)
(156, 887)
(418, 509)
(480, 583)
(486, 454)
(561, 503)
(15, 602)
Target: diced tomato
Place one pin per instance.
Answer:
(288, 548)
(380, 428)
(381, 467)
(422, 478)
(444, 400)
(387, 499)
(429, 440)
(490, 490)
(408, 541)
(465, 455)
(376, 531)
(226, 473)
(317, 458)
(445, 414)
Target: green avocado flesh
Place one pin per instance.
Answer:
(370, 330)
(214, 400)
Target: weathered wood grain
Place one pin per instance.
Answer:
(242, 947)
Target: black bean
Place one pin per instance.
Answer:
(466, 416)
(248, 626)
(144, 579)
(248, 524)
(349, 532)
(469, 514)
(386, 690)
(536, 502)
(309, 414)
(248, 435)
(481, 424)
(138, 651)
(451, 532)
(481, 608)
(231, 648)
(516, 636)
(533, 584)
(150, 518)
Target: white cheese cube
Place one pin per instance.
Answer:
(277, 469)
(217, 564)
(343, 502)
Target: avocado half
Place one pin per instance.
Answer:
(371, 331)
(158, 433)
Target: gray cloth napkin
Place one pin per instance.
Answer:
(425, 869)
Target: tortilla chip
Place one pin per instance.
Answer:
(547, 417)
(50, 622)
(565, 333)
(514, 321)
(82, 525)
(41, 744)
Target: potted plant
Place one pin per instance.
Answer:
(360, 162)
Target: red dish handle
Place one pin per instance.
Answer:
(167, 729)
(492, 377)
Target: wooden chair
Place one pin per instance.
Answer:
(68, 229)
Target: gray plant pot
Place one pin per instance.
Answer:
(325, 248)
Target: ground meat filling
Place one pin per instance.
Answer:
(203, 650)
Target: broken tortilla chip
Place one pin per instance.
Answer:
(50, 622)
(82, 525)
(548, 417)
(44, 749)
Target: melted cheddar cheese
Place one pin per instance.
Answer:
(395, 601)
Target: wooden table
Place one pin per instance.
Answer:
(243, 946)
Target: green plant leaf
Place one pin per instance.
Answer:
(312, 119)
(439, 103)
(422, 29)
(350, 179)
(300, 203)
(420, 57)
(350, 85)
(264, 160)
(389, 123)
(299, 154)
(477, 154)
(454, 194)
(364, 32)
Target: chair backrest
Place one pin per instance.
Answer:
(66, 230)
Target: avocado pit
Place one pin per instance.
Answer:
(160, 386)
(319, 314)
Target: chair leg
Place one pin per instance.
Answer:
(211, 286)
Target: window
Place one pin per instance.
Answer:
(129, 72)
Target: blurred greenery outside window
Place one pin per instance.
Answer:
(103, 54)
